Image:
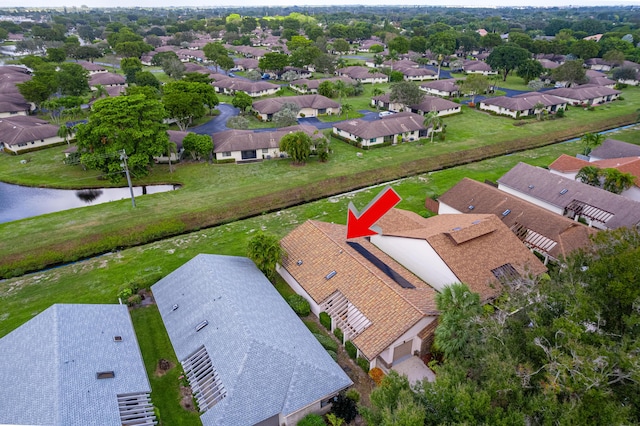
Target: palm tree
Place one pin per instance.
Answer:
(100, 91)
(378, 60)
(457, 327)
(346, 109)
(266, 253)
(392, 56)
(64, 132)
(589, 175)
(433, 120)
(590, 141)
(616, 181)
(539, 109)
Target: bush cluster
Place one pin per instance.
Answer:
(351, 349)
(376, 374)
(363, 363)
(299, 304)
(312, 419)
(325, 320)
(327, 342)
(339, 334)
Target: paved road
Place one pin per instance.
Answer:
(219, 123)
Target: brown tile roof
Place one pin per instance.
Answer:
(314, 83)
(106, 78)
(566, 163)
(434, 103)
(583, 93)
(447, 85)
(238, 84)
(392, 310)
(22, 128)
(471, 245)
(90, 66)
(241, 140)
(568, 235)
(273, 105)
(360, 73)
(391, 125)
(525, 101)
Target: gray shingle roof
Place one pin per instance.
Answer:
(524, 101)
(267, 360)
(241, 140)
(543, 185)
(612, 148)
(49, 365)
(23, 128)
(273, 105)
(392, 125)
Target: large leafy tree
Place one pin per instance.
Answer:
(507, 57)
(297, 145)
(73, 80)
(529, 70)
(215, 52)
(130, 123)
(406, 93)
(185, 101)
(198, 146)
(572, 72)
(475, 84)
(273, 61)
(242, 101)
(442, 44)
(394, 403)
(130, 67)
(266, 253)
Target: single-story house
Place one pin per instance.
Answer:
(175, 136)
(310, 106)
(381, 291)
(612, 148)
(13, 103)
(193, 67)
(230, 86)
(93, 68)
(20, 133)
(248, 357)
(551, 235)
(418, 74)
(246, 64)
(477, 67)
(405, 126)
(598, 64)
(548, 64)
(568, 166)
(76, 365)
(362, 74)
(248, 145)
(586, 94)
(107, 79)
(523, 105)
(443, 88)
(310, 86)
(247, 51)
(428, 104)
(13, 75)
(567, 197)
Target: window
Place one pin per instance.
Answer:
(372, 140)
(226, 154)
(265, 150)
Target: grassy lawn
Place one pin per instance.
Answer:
(214, 194)
(155, 345)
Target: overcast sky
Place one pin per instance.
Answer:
(235, 3)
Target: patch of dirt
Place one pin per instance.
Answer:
(147, 297)
(186, 398)
(163, 366)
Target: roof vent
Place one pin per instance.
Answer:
(299, 262)
(105, 375)
(117, 338)
(564, 191)
(506, 212)
(202, 325)
(475, 222)
(471, 207)
(531, 187)
(174, 307)
(457, 228)
(330, 275)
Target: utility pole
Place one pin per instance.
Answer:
(123, 157)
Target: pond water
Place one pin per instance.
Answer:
(19, 202)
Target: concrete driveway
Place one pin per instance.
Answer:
(415, 370)
(219, 123)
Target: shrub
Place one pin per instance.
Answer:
(363, 363)
(353, 395)
(339, 334)
(351, 349)
(299, 304)
(334, 355)
(312, 419)
(345, 408)
(376, 374)
(327, 342)
(621, 98)
(560, 113)
(134, 300)
(125, 292)
(325, 320)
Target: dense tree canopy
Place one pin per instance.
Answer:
(297, 145)
(131, 123)
(507, 57)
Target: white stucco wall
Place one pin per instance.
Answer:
(33, 144)
(632, 193)
(536, 201)
(411, 334)
(295, 286)
(12, 113)
(419, 257)
(444, 208)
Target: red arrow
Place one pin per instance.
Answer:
(359, 224)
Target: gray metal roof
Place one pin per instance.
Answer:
(49, 365)
(266, 358)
